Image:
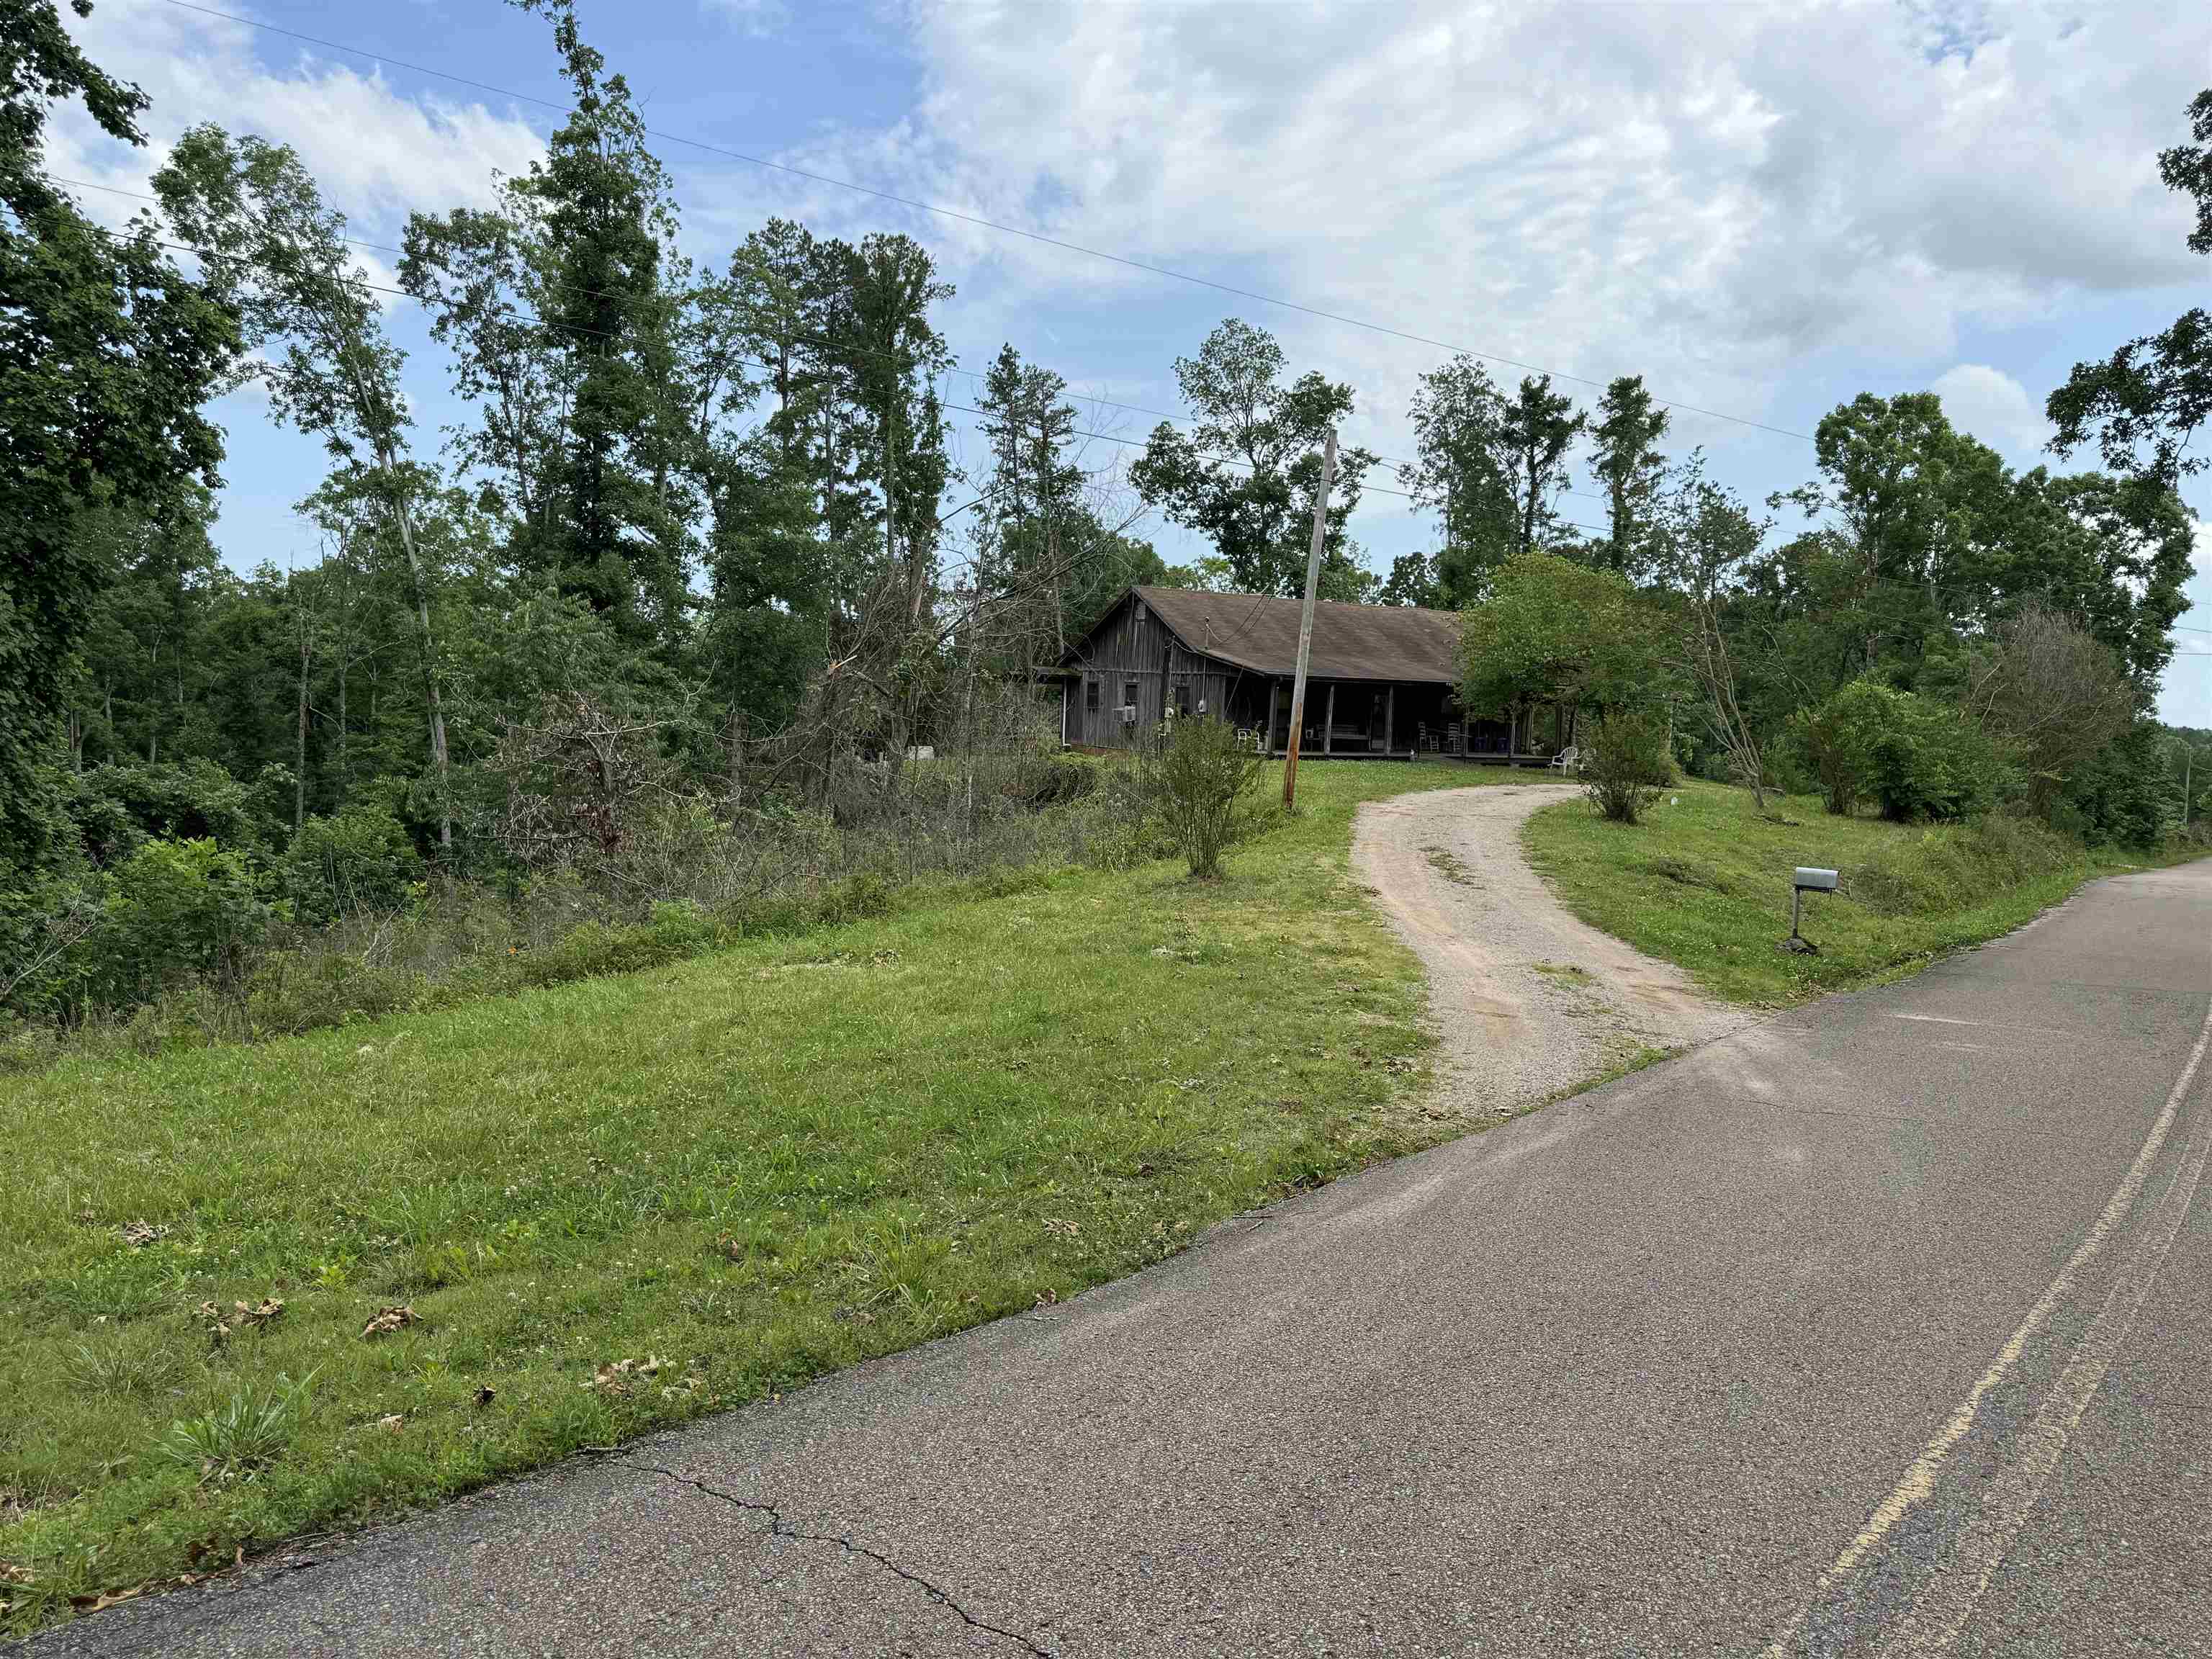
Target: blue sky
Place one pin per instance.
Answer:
(1763, 209)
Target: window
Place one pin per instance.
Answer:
(1182, 696)
(1091, 693)
(1128, 694)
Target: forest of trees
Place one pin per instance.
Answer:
(698, 557)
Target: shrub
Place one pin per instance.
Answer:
(1916, 758)
(1204, 768)
(358, 860)
(119, 806)
(1060, 778)
(174, 911)
(1836, 739)
(1625, 761)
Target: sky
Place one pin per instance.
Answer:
(1763, 209)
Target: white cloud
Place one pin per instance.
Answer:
(1994, 407)
(1704, 194)
(376, 153)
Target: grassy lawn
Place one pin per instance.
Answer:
(1705, 883)
(496, 1233)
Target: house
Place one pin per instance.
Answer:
(1381, 680)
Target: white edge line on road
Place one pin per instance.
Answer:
(1940, 1612)
(1920, 1478)
(1987, 1024)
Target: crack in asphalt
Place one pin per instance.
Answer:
(781, 1528)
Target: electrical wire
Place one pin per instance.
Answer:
(992, 224)
(1104, 437)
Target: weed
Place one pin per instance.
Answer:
(252, 1429)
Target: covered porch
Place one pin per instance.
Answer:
(1396, 719)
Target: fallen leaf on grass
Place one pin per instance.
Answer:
(619, 1377)
(388, 1320)
(1060, 1227)
(221, 1325)
(139, 1234)
(392, 1424)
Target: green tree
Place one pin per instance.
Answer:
(1537, 429)
(1414, 581)
(483, 276)
(1248, 476)
(1462, 473)
(276, 253)
(106, 354)
(1628, 462)
(2143, 403)
(620, 524)
(1552, 628)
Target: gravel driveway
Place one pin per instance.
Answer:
(1528, 1001)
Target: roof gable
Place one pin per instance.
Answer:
(1259, 632)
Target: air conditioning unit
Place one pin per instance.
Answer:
(1128, 713)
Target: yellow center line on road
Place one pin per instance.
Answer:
(1919, 1480)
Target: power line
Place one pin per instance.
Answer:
(991, 224)
(1104, 437)
(624, 300)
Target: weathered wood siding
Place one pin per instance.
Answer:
(1137, 662)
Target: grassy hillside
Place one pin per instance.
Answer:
(496, 1233)
(1704, 882)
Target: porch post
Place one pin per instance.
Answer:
(1390, 716)
(1328, 729)
(1274, 696)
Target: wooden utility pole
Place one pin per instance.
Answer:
(1305, 621)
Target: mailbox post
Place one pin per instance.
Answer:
(1807, 880)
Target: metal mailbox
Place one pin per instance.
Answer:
(1809, 878)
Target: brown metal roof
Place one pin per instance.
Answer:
(1350, 642)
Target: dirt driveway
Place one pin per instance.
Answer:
(1528, 1001)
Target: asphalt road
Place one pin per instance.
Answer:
(1882, 1326)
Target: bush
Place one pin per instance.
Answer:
(1625, 761)
(1204, 768)
(358, 860)
(119, 806)
(171, 913)
(1915, 757)
(1836, 739)
(1058, 779)
(1955, 867)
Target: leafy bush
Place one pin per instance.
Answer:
(1625, 761)
(1836, 739)
(358, 860)
(174, 912)
(1058, 779)
(1204, 768)
(119, 806)
(1957, 866)
(1915, 757)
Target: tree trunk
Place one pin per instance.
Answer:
(300, 744)
(435, 704)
